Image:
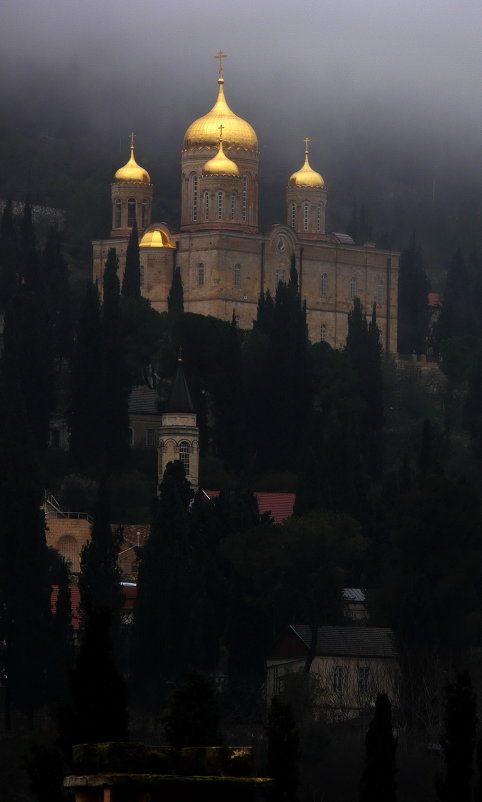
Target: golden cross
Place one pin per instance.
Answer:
(220, 55)
(132, 140)
(221, 133)
(306, 145)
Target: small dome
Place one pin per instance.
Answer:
(220, 164)
(132, 172)
(155, 237)
(306, 177)
(204, 132)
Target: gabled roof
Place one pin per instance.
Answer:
(129, 592)
(144, 399)
(279, 505)
(348, 641)
(180, 398)
(353, 595)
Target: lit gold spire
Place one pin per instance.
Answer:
(306, 176)
(203, 132)
(132, 172)
(220, 164)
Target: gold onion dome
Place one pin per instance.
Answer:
(132, 171)
(220, 164)
(203, 132)
(306, 177)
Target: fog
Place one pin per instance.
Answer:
(381, 87)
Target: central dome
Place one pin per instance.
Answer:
(237, 133)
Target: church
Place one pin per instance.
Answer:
(225, 261)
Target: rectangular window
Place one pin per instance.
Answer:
(237, 276)
(363, 679)
(338, 679)
(142, 273)
(200, 274)
(150, 441)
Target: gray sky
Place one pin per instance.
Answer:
(362, 79)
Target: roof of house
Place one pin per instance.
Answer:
(354, 595)
(180, 399)
(348, 641)
(129, 591)
(279, 505)
(144, 399)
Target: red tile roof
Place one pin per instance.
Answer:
(129, 590)
(279, 505)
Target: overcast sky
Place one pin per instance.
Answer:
(370, 73)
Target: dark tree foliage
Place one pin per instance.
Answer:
(175, 299)
(9, 257)
(62, 632)
(265, 313)
(473, 407)
(359, 227)
(85, 413)
(27, 338)
(413, 288)
(457, 317)
(56, 276)
(193, 718)
(458, 741)
(131, 283)
(164, 637)
(99, 580)
(25, 616)
(283, 751)
(115, 387)
(142, 330)
(378, 782)
(99, 693)
(46, 772)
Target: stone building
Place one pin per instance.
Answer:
(224, 259)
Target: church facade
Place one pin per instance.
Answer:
(224, 260)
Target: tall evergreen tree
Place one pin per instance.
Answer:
(265, 313)
(283, 751)
(378, 782)
(458, 741)
(85, 413)
(25, 616)
(413, 287)
(9, 257)
(164, 630)
(457, 318)
(56, 276)
(131, 283)
(175, 299)
(193, 718)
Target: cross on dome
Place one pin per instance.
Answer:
(306, 145)
(220, 55)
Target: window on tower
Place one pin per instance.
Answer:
(233, 206)
(380, 292)
(144, 213)
(324, 285)
(220, 204)
(318, 217)
(200, 274)
(306, 216)
(245, 198)
(184, 455)
(117, 213)
(353, 288)
(293, 215)
(131, 212)
(237, 275)
(323, 333)
(195, 192)
(206, 205)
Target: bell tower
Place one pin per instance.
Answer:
(306, 201)
(131, 194)
(178, 433)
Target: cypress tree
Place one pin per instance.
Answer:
(85, 413)
(413, 288)
(193, 718)
(164, 630)
(56, 276)
(175, 299)
(131, 283)
(283, 751)
(265, 313)
(458, 741)
(115, 384)
(457, 318)
(378, 781)
(8, 257)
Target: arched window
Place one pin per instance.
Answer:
(306, 216)
(68, 548)
(220, 204)
(131, 436)
(184, 456)
(245, 198)
(117, 213)
(353, 288)
(206, 205)
(237, 275)
(323, 333)
(131, 212)
(200, 274)
(324, 285)
(292, 215)
(318, 217)
(142, 274)
(195, 198)
(144, 213)
(380, 292)
(233, 206)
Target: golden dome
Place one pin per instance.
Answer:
(306, 177)
(203, 132)
(132, 171)
(220, 164)
(155, 237)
